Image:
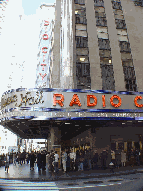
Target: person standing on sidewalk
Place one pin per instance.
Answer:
(14, 158)
(32, 160)
(81, 161)
(89, 159)
(56, 156)
(64, 160)
(51, 160)
(6, 160)
(123, 158)
(95, 160)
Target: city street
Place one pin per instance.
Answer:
(133, 182)
(21, 178)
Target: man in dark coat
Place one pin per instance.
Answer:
(32, 160)
(103, 159)
(68, 162)
(95, 160)
(43, 161)
(39, 161)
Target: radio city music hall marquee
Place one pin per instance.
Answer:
(69, 99)
(51, 103)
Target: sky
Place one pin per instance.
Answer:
(19, 42)
(30, 6)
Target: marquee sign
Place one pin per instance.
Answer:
(56, 104)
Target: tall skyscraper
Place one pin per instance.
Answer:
(97, 45)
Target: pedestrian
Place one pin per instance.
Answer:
(64, 160)
(56, 156)
(39, 161)
(51, 160)
(95, 160)
(81, 161)
(43, 160)
(6, 160)
(14, 158)
(68, 162)
(137, 157)
(19, 157)
(77, 162)
(72, 159)
(118, 158)
(103, 159)
(89, 159)
(32, 160)
(48, 160)
(113, 157)
(123, 158)
(132, 158)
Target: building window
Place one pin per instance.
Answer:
(81, 42)
(81, 2)
(99, 3)
(116, 5)
(80, 19)
(104, 44)
(120, 24)
(101, 21)
(124, 46)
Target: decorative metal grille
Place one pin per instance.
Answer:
(108, 82)
(124, 46)
(101, 21)
(104, 44)
(99, 3)
(80, 19)
(120, 24)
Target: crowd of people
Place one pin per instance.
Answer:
(74, 161)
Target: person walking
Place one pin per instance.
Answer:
(32, 160)
(64, 160)
(123, 158)
(6, 160)
(39, 161)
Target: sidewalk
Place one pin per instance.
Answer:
(23, 172)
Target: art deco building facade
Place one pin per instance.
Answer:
(100, 45)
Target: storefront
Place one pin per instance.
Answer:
(76, 119)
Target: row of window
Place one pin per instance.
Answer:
(82, 52)
(107, 73)
(126, 57)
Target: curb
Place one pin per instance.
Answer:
(76, 177)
